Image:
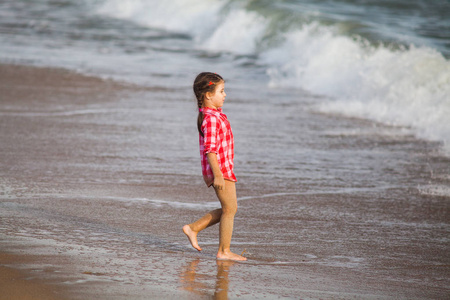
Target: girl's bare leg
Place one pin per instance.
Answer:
(225, 216)
(228, 201)
(191, 230)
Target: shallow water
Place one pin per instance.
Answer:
(342, 160)
(329, 207)
(385, 61)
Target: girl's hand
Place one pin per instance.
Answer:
(219, 183)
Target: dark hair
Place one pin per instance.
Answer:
(204, 82)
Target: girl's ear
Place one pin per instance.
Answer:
(208, 95)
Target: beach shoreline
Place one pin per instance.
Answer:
(38, 90)
(91, 206)
(24, 284)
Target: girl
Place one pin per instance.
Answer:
(217, 153)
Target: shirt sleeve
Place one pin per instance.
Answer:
(210, 129)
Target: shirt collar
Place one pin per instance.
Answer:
(212, 111)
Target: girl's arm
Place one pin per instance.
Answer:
(219, 182)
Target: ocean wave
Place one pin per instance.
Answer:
(394, 84)
(197, 18)
(407, 87)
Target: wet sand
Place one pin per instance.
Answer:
(26, 285)
(92, 206)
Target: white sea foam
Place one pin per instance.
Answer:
(435, 190)
(405, 87)
(203, 21)
(228, 35)
(183, 16)
(132, 200)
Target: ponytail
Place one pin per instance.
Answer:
(200, 122)
(204, 82)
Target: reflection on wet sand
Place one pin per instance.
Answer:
(196, 282)
(223, 270)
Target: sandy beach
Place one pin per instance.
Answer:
(26, 285)
(92, 205)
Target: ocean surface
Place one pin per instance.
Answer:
(386, 61)
(340, 111)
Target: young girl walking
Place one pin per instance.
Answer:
(217, 153)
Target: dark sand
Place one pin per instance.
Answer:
(90, 209)
(26, 285)
(35, 90)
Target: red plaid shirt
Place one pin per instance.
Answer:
(218, 138)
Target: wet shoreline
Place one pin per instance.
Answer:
(93, 186)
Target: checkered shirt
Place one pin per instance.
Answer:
(218, 138)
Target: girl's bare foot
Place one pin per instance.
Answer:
(192, 236)
(228, 255)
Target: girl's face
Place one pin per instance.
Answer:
(217, 98)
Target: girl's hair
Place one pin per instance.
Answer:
(204, 82)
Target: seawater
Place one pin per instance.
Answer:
(382, 60)
(327, 100)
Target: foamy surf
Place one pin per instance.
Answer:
(435, 190)
(408, 87)
(397, 84)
